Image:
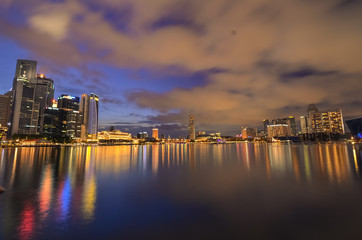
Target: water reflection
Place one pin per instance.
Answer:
(52, 188)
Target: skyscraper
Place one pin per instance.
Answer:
(61, 123)
(24, 109)
(279, 130)
(322, 125)
(155, 133)
(93, 115)
(290, 121)
(304, 124)
(44, 95)
(4, 110)
(89, 109)
(248, 132)
(329, 121)
(84, 110)
(265, 123)
(191, 127)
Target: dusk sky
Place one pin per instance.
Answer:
(232, 63)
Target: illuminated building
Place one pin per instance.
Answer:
(62, 123)
(212, 137)
(31, 94)
(4, 110)
(3, 133)
(321, 125)
(248, 132)
(114, 137)
(290, 121)
(330, 121)
(279, 130)
(25, 110)
(265, 123)
(89, 109)
(155, 133)
(355, 126)
(93, 115)
(68, 102)
(201, 133)
(44, 94)
(142, 135)
(84, 110)
(191, 127)
(54, 103)
(304, 124)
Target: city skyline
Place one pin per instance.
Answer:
(256, 61)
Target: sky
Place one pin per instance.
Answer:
(232, 63)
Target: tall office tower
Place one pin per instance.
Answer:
(93, 115)
(68, 102)
(265, 123)
(44, 94)
(89, 109)
(312, 108)
(304, 124)
(24, 109)
(155, 133)
(191, 127)
(4, 110)
(62, 123)
(84, 110)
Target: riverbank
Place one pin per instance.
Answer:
(16, 145)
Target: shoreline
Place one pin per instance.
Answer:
(160, 143)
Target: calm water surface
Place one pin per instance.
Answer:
(182, 191)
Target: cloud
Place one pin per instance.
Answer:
(249, 98)
(276, 56)
(111, 100)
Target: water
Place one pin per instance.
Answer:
(182, 191)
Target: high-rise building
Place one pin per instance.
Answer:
(191, 127)
(89, 109)
(24, 109)
(44, 95)
(31, 94)
(265, 123)
(329, 121)
(279, 130)
(68, 102)
(142, 135)
(4, 110)
(304, 124)
(93, 115)
(155, 133)
(84, 110)
(290, 121)
(62, 123)
(248, 132)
